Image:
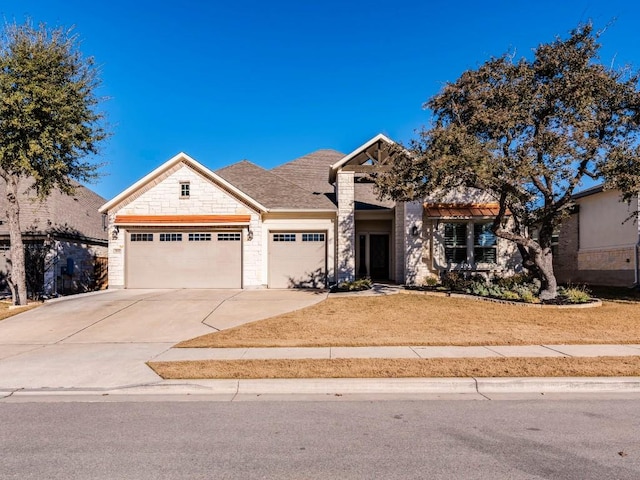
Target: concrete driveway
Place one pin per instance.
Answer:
(103, 340)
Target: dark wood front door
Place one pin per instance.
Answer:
(379, 256)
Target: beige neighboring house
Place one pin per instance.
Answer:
(311, 222)
(65, 240)
(598, 244)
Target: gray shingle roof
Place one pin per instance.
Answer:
(75, 216)
(272, 191)
(311, 171)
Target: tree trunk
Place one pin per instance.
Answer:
(544, 262)
(16, 277)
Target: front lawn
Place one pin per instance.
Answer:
(6, 312)
(416, 319)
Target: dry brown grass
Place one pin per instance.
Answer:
(6, 312)
(399, 368)
(426, 320)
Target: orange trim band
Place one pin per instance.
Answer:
(178, 219)
(462, 209)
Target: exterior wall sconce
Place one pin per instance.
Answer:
(114, 232)
(249, 234)
(415, 230)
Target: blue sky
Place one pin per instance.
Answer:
(271, 81)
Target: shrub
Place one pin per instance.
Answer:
(431, 281)
(527, 295)
(455, 280)
(512, 281)
(510, 295)
(354, 286)
(575, 294)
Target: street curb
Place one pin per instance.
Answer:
(348, 386)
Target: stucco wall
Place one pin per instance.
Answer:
(596, 246)
(162, 197)
(602, 222)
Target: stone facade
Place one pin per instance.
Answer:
(161, 196)
(345, 193)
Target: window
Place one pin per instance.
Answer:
(199, 237)
(170, 237)
(228, 237)
(455, 242)
(185, 190)
(484, 243)
(313, 237)
(142, 237)
(284, 237)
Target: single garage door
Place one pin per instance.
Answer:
(183, 259)
(297, 259)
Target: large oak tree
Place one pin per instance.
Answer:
(529, 132)
(48, 123)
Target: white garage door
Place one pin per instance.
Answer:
(297, 259)
(183, 259)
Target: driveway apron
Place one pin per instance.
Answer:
(104, 340)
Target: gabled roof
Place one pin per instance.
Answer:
(359, 155)
(61, 214)
(187, 160)
(271, 190)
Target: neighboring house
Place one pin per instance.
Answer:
(598, 243)
(65, 240)
(308, 223)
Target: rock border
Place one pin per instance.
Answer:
(595, 302)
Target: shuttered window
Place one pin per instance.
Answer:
(455, 242)
(484, 243)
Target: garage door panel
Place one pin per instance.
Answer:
(196, 260)
(297, 260)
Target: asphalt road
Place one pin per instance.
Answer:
(578, 438)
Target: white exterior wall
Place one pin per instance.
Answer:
(601, 222)
(162, 197)
(327, 225)
(345, 193)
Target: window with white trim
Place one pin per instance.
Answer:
(185, 190)
(472, 243)
(313, 237)
(142, 237)
(228, 237)
(284, 237)
(170, 237)
(484, 243)
(455, 242)
(199, 237)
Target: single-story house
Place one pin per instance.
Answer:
(65, 241)
(311, 222)
(598, 243)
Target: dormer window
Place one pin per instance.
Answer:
(185, 189)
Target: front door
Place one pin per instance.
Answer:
(379, 256)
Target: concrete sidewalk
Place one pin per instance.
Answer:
(175, 354)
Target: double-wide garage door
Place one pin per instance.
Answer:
(183, 259)
(297, 259)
